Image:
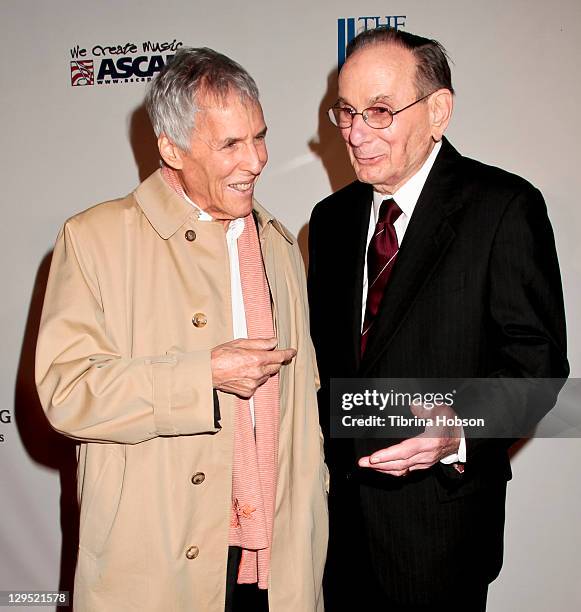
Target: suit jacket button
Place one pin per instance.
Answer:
(199, 319)
(198, 478)
(190, 235)
(192, 552)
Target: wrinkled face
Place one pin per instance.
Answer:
(227, 154)
(383, 75)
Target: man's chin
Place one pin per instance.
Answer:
(369, 175)
(241, 209)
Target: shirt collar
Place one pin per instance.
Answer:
(167, 211)
(408, 194)
(235, 227)
(203, 215)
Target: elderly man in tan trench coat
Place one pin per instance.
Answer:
(137, 360)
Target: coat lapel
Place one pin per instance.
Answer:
(427, 238)
(353, 259)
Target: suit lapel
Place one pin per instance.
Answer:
(350, 234)
(360, 228)
(428, 236)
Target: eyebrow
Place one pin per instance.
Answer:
(371, 101)
(381, 98)
(230, 141)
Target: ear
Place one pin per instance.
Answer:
(441, 105)
(170, 152)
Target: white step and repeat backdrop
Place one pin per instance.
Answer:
(74, 132)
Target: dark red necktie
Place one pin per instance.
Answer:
(381, 256)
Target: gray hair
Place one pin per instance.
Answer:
(173, 95)
(432, 68)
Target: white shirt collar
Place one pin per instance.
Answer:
(204, 216)
(235, 226)
(407, 195)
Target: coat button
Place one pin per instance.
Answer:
(199, 319)
(198, 478)
(190, 235)
(192, 552)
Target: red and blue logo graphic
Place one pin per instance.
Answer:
(82, 73)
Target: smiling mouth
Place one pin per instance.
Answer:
(242, 187)
(368, 160)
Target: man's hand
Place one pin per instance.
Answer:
(417, 453)
(241, 366)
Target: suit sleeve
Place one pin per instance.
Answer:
(91, 391)
(528, 321)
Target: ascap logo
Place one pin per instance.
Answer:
(349, 27)
(121, 63)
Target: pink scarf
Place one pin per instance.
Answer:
(255, 449)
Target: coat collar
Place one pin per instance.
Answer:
(264, 217)
(167, 211)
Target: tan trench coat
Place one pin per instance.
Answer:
(121, 367)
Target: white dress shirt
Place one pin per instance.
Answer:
(406, 197)
(235, 229)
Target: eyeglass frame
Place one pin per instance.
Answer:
(363, 113)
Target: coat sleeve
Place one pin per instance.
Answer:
(528, 323)
(89, 390)
(300, 269)
(302, 279)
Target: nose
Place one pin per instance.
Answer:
(256, 157)
(358, 133)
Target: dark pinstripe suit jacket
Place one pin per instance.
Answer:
(475, 292)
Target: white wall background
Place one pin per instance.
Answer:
(65, 148)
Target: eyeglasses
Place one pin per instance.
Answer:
(377, 117)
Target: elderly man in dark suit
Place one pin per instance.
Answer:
(430, 265)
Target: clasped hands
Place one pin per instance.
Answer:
(420, 452)
(241, 366)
